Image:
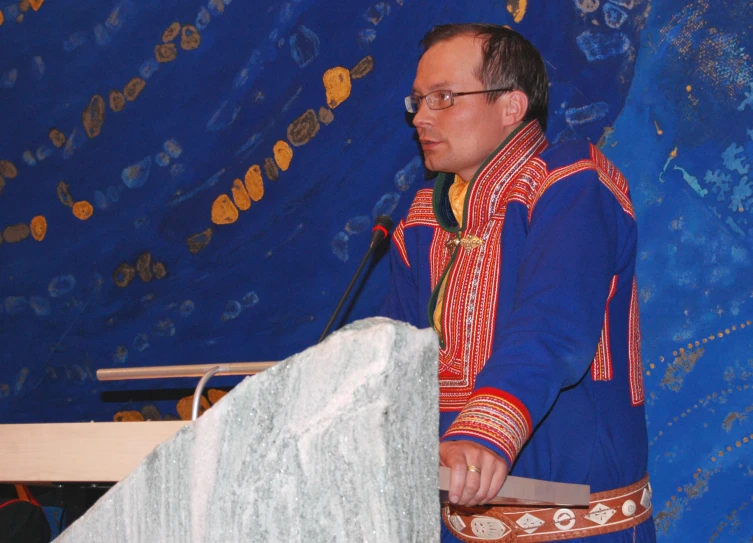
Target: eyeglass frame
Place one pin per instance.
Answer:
(409, 99)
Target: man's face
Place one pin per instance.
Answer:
(460, 138)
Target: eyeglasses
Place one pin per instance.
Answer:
(441, 99)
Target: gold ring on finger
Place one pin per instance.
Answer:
(474, 469)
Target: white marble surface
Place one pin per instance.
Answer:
(337, 443)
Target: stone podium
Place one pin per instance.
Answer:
(337, 443)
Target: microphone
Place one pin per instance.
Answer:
(382, 226)
(381, 230)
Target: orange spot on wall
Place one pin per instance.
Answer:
(189, 37)
(57, 138)
(270, 168)
(171, 32)
(117, 100)
(337, 85)
(283, 154)
(165, 52)
(325, 115)
(133, 88)
(38, 227)
(199, 241)
(159, 269)
(2, 18)
(128, 416)
(7, 169)
(215, 395)
(64, 194)
(240, 195)
(517, 8)
(302, 129)
(143, 268)
(185, 406)
(254, 183)
(83, 210)
(93, 116)
(224, 211)
(36, 4)
(123, 274)
(364, 66)
(16, 233)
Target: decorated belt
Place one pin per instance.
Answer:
(608, 511)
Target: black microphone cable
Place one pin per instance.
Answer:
(381, 230)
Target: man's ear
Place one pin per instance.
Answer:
(515, 105)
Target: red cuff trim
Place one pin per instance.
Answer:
(497, 417)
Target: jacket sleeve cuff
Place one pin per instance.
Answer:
(494, 417)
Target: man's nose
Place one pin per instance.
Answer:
(424, 116)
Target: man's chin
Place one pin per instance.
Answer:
(431, 163)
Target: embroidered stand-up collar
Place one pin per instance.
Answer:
(502, 166)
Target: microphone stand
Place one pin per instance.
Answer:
(381, 230)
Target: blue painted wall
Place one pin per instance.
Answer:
(123, 124)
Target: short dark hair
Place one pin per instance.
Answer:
(508, 61)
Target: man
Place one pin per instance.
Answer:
(524, 255)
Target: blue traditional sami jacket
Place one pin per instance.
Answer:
(540, 343)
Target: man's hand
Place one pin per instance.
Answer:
(469, 487)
